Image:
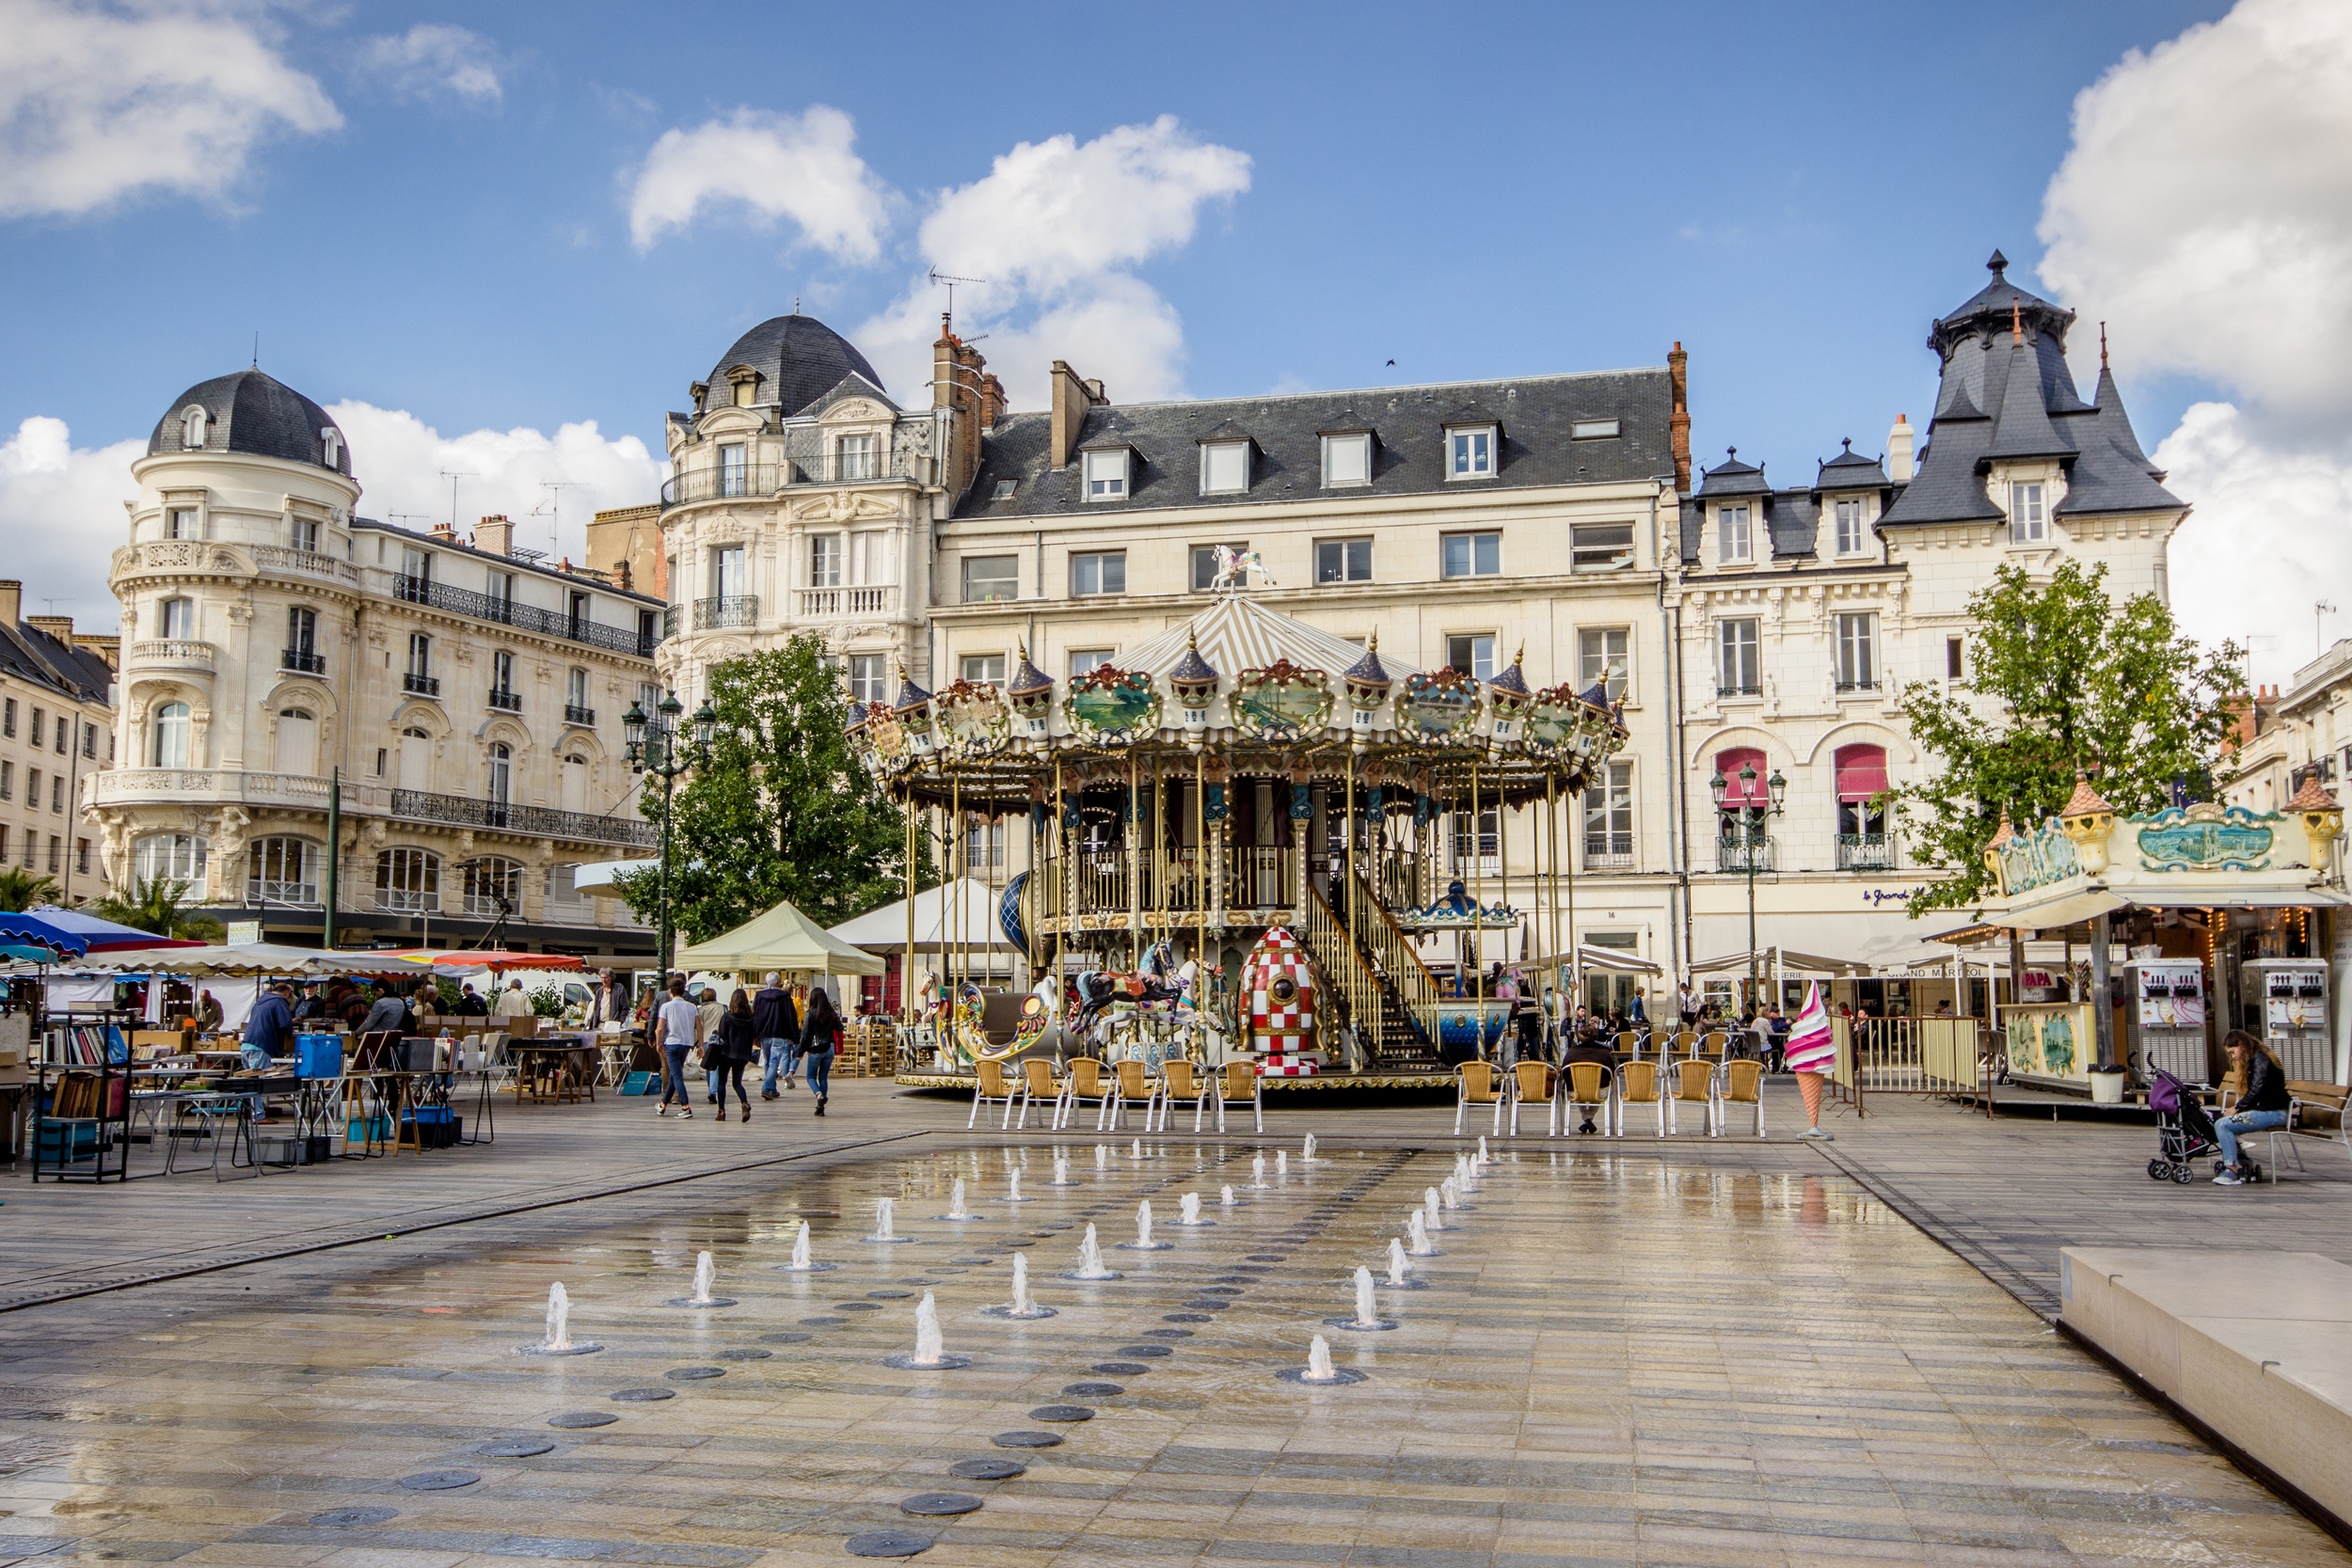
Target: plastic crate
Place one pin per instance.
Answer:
(319, 1055)
(639, 1082)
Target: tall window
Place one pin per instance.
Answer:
(169, 858)
(1471, 453)
(824, 559)
(857, 457)
(502, 585)
(872, 560)
(7, 717)
(191, 429)
(1100, 572)
(991, 577)
(2028, 522)
(869, 678)
(502, 779)
(1734, 545)
(409, 882)
(172, 734)
(1739, 792)
(727, 569)
(1473, 653)
(575, 697)
(304, 534)
(180, 523)
(1955, 658)
(282, 871)
(1857, 652)
(330, 450)
(983, 844)
(1204, 565)
(502, 672)
(416, 574)
(493, 886)
(178, 620)
(1861, 782)
(1741, 669)
(733, 471)
(1342, 560)
(1485, 852)
(1471, 555)
(1849, 527)
(1604, 654)
(982, 667)
(302, 640)
(1609, 820)
(419, 677)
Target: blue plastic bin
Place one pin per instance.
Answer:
(319, 1055)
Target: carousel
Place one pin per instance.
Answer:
(1240, 841)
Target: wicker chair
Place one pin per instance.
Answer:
(1638, 1084)
(1181, 1080)
(1741, 1083)
(1238, 1085)
(1478, 1083)
(991, 1087)
(1628, 1044)
(1589, 1091)
(1131, 1084)
(1039, 1085)
(1535, 1080)
(1693, 1083)
(1087, 1081)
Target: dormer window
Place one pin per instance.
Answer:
(1348, 458)
(331, 448)
(1107, 475)
(1470, 451)
(857, 457)
(2028, 519)
(1734, 543)
(1224, 467)
(191, 429)
(746, 384)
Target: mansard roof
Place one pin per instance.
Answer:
(1850, 470)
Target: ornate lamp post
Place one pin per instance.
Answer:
(1750, 815)
(655, 747)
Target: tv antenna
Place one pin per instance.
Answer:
(553, 509)
(948, 281)
(2319, 607)
(454, 475)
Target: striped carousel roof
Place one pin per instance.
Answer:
(1236, 633)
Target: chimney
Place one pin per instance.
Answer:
(1072, 397)
(11, 601)
(495, 535)
(442, 530)
(961, 384)
(58, 626)
(1898, 441)
(1678, 422)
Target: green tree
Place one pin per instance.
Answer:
(2062, 679)
(781, 810)
(20, 890)
(159, 905)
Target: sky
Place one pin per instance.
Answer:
(499, 241)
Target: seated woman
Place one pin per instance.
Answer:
(2262, 1103)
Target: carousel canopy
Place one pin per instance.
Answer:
(1237, 633)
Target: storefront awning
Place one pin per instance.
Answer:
(1790, 960)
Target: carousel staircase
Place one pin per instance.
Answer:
(1397, 1041)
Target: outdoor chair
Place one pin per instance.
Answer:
(1087, 1081)
(1638, 1084)
(1715, 1047)
(1630, 1044)
(1531, 1079)
(2304, 1096)
(1238, 1085)
(497, 1066)
(1181, 1080)
(216, 1118)
(1588, 1091)
(991, 1088)
(1684, 1045)
(1741, 1083)
(1477, 1084)
(1040, 1086)
(1693, 1083)
(1131, 1084)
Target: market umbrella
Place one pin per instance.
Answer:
(74, 934)
(783, 938)
(198, 958)
(495, 959)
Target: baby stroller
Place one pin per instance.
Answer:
(2185, 1131)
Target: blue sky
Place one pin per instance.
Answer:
(441, 223)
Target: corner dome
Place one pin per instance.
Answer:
(253, 413)
(799, 360)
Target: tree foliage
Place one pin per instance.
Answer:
(20, 890)
(781, 810)
(2061, 680)
(159, 905)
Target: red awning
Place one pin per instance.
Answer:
(1728, 763)
(1861, 772)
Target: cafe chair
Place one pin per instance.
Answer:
(991, 1088)
(1741, 1083)
(1087, 1081)
(1715, 1047)
(1588, 1091)
(1477, 1082)
(1684, 1045)
(1628, 1044)
(1180, 1080)
(1131, 1084)
(1638, 1084)
(1041, 1089)
(1238, 1085)
(1693, 1083)
(1535, 1081)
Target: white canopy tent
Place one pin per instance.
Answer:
(955, 921)
(784, 940)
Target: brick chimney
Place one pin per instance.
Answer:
(58, 626)
(11, 601)
(960, 383)
(1900, 439)
(1678, 423)
(1072, 396)
(494, 534)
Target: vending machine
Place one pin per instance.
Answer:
(2293, 993)
(2164, 1024)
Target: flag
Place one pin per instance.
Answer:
(1812, 1048)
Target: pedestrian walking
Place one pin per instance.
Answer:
(712, 1012)
(730, 1049)
(676, 1030)
(1811, 1053)
(512, 1002)
(817, 1035)
(777, 1023)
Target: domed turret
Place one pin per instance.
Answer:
(253, 413)
(790, 361)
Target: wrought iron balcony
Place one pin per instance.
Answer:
(420, 685)
(718, 482)
(303, 661)
(728, 609)
(1608, 851)
(464, 811)
(1848, 689)
(584, 716)
(1761, 854)
(1865, 852)
(525, 617)
(1735, 689)
(506, 702)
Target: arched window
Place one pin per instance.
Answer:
(574, 791)
(191, 429)
(1861, 781)
(416, 758)
(297, 740)
(564, 901)
(167, 858)
(493, 886)
(409, 882)
(1729, 761)
(331, 447)
(282, 871)
(172, 734)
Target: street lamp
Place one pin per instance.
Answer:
(1749, 814)
(655, 747)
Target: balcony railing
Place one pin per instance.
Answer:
(303, 661)
(1865, 852)
(420, 685)
(1761, 855)
(1608, 851)
(464, 811)
(173, 653)
(728, 609)
(717, 483)
(809, 459)
(1847, 688)
(1736, 689)
(825, 603)
(525, 617)
(584, 716)
(505, 702)
(673, 621)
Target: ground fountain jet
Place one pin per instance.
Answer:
(955, 1211)
(1257, 1174)
(705, 1272)
(1062, 1171)
(1483, 1155)
(1430, 1208)
(1012, 1187)
(1091, 1259)
(1451, 1191)
(1399, 1272)
(1417, 1226)
(1367, 1319)
(1143, 1242)
(1318, 1371)
(1224, 1197)
(1281, 1161)
(1134, 1150)
(883, 1231)
(1188, 1210)
(1307, 1155)
(1022, 1305)
(930, 1354)
(559, 1339)
(1102, 1156)
(803, 1259)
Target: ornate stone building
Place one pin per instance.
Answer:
(56, 730)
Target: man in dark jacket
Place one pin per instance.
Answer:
(778, 1028)
(1586, 1047)
(389, 1016)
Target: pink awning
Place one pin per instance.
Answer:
(1728, 763)
(1861, 772)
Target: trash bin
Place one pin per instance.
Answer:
(2107, 1085)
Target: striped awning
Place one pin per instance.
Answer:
(1236, 633)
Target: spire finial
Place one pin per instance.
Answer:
(1372, 644)
(1731, 452)
(2103, 345)
(1520, 657)
(1192, 639)
(2016, 323)
(1023, 643)
(1997, 265)
(1847, 442)
(796, 305)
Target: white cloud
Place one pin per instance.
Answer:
(61, 511)
(1053, 229)
(399, 460)
(99, 104)
(804, 168)
(433, 58)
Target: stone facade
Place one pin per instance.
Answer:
(57, 731)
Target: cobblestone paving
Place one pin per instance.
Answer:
(1696, 1355)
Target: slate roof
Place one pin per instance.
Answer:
(252, 412)
(30, 654)
(1732, 477)
(1850, 470)
(799, 357)
(1409, 456)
